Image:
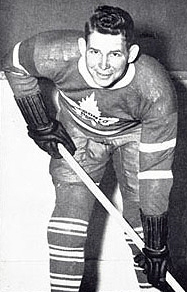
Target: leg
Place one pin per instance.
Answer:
(67, 232)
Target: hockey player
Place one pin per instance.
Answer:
(113, 102)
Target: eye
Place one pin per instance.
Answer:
(93, 51)
(115, 54)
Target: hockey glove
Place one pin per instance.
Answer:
(155, 254)
(46, 132)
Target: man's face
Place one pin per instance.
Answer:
(106, 57)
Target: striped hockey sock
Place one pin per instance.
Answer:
(66, 237)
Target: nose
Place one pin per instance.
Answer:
(104, 63)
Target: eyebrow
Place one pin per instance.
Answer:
(116, 51)
(93, 48)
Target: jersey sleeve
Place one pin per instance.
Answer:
(158, 140)
(43, 55)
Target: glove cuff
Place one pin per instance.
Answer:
(155, 231)
(45, 130)
(156, 253)
(34, 112)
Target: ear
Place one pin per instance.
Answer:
(82, 46)
(133, 53)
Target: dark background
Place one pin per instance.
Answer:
(162, 22)
(161, 27)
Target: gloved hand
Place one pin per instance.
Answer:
(155, 253)
(45, 131)
(154, 263)
(48, 139)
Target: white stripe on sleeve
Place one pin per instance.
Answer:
(16, 62)
(154, 147)
(155, 174)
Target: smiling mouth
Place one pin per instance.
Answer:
(104, 75)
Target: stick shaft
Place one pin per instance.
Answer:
(110, 208)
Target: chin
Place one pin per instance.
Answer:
(103, 83)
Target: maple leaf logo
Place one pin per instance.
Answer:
(89, 104)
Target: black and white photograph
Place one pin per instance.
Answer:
(93, 146)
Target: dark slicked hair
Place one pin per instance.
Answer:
(111, 20)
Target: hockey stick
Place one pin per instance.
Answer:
(110, 208)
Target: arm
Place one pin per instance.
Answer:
(44, 130)
(158, 140)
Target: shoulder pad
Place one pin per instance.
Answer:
(50, 51)
(53, 48)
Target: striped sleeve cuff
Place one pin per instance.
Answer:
(155, 174)
(154, 147)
